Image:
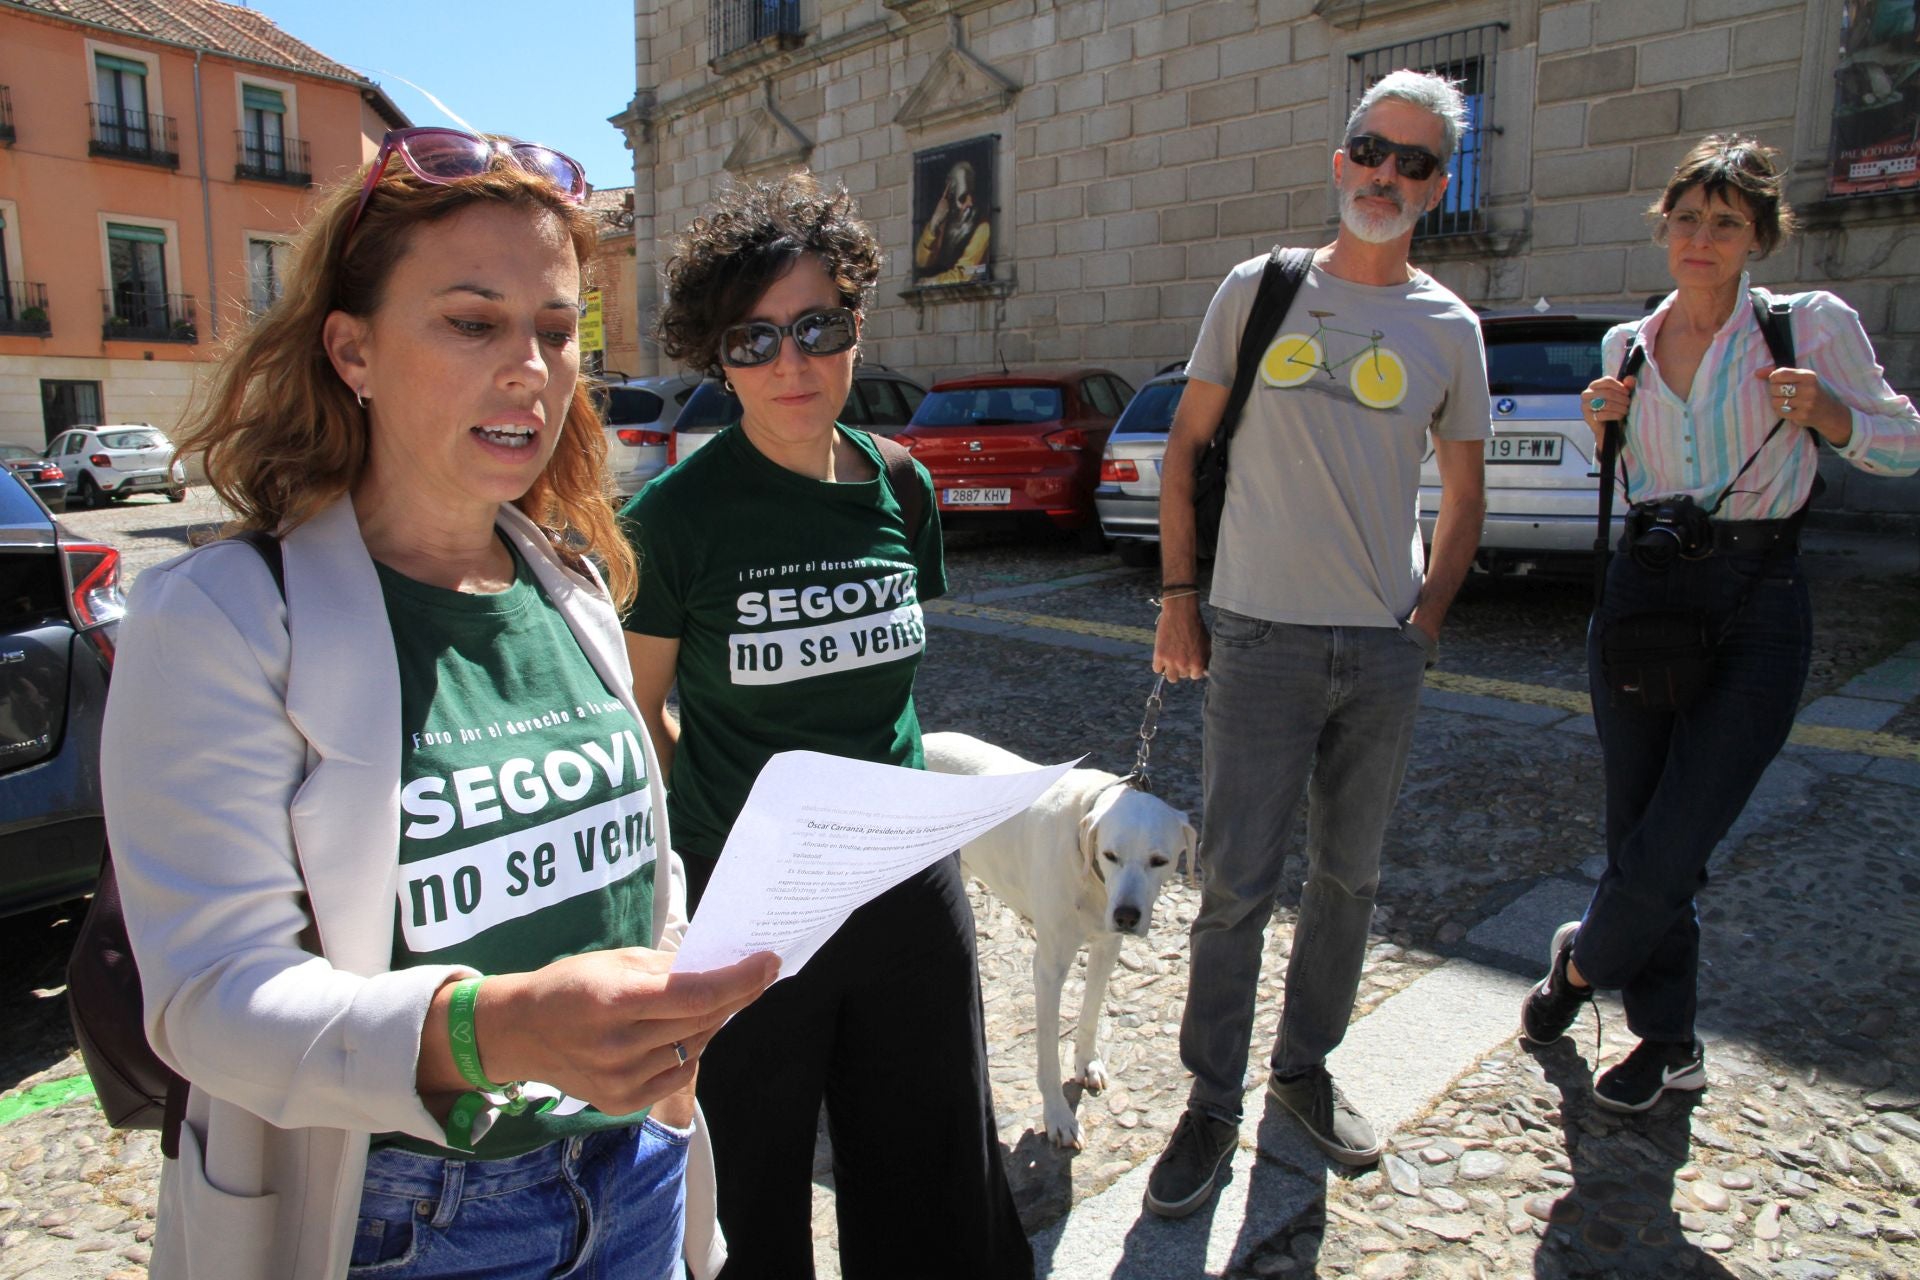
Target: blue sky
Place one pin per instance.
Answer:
(551, 73)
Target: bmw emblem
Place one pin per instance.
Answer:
(1505, 404)
(973, 446)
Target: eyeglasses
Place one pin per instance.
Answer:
(826, 332)
(1685, 224)
(1369, 151)
(443, 156)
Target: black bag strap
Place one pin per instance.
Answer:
(1776, 326)
(269, 548)
(904, 483)
(1610, 433)
(1279, 283)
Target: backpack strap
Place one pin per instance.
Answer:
(904, 483)
(269, 548)
(1776, 326)
(1279, 283)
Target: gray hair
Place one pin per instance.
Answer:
(1433, 94)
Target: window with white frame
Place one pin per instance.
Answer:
(263, 143)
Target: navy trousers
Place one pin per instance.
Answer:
(1676, 781)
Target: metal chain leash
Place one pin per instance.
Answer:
(1149, 725)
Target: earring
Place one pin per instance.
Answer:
(728, 384)
(359, 399)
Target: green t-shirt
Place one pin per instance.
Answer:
(797, 606)
(526, 831)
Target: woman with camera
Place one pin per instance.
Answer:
(1718, 453)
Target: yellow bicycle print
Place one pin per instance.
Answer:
(1377, 377)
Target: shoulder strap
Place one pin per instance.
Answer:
(269, 548)
(1279, 283)
(1776, 326)
(904, 483)
(1610, 433)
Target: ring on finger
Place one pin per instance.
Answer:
(1597, 403)
(680, 1052)
(1789, 389)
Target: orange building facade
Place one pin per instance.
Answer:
(152, 174)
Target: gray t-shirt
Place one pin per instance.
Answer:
(1321, 525)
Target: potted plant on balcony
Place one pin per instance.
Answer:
(183, 331)
(34, 317)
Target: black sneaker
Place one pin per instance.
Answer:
(1654, 1067)
(1331, 1121)
(1554, 1002)
(1183, 1176)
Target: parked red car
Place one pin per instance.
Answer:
(1023, 444)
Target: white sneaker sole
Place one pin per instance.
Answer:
(1691, 1080)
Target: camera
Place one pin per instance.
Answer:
(1658, 532)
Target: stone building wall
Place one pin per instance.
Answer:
(1146, 146)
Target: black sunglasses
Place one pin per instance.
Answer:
(825, 332)
(1416, 164)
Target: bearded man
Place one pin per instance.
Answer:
(1324, 616)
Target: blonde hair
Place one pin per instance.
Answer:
(280, 434)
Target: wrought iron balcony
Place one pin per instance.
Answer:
(268, 159)
(737, 25)
(133, 135)
(23, 309)
(133, 315)
(6, 115)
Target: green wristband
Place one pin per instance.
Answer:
(466, 1045)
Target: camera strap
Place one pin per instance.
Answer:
(1776, 327)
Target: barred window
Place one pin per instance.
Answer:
(1468, 59)
(734, 25)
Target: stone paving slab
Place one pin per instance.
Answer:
(1848, 713)
(1392, 1064)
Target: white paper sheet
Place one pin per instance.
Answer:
(821, 835)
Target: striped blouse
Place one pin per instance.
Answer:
(1697, 445)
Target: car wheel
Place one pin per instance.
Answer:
(177, 495)
(1139, 555)
(91, 498)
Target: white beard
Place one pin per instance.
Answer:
(1377, 228)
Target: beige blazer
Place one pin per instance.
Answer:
(251, 771)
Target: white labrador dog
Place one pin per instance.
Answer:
(1084, 864)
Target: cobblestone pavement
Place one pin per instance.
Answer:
(1802, 1158)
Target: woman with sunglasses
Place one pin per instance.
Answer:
(389, 832)
(782, 570)
(1719, 453)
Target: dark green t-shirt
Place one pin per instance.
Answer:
(797, 606)
(526, 831)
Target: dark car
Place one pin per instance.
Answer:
(59, 608)
(880, 401)
(42, 474)
(1543, 487)
(1128, 498)
(1019, 444)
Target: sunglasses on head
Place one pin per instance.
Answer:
(826, 332)
(443, 156)
(1369, 151)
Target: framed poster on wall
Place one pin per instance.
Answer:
(1876, 100)
(954, 211)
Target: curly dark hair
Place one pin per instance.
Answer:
(748, 239)
(1726, 165)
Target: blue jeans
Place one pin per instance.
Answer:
(1324, 711)
(603, 1206)
(1677, 781)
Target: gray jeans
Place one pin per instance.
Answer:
(1324, 710)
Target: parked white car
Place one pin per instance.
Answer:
(113, 462)
(640, 414)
